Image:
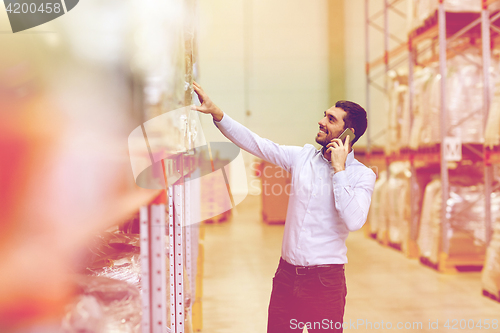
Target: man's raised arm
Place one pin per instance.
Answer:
(243, 137)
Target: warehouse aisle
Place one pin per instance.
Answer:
(384, 288)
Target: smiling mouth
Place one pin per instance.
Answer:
(322, 131)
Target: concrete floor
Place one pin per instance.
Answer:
(384, 287)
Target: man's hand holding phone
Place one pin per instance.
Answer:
(339, 150)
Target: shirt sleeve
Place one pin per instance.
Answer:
(265, 149)
(353, 201)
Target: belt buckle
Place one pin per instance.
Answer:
(297, 270)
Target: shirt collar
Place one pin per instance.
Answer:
(349, 160)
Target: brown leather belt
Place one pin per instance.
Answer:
(304, 270)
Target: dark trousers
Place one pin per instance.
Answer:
(312, 297)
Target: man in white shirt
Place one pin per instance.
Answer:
(330, 196)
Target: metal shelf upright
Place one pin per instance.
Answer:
(384, 59)
(154, 227)
(390, 59)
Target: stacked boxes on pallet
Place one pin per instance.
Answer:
(467, 236)
(398, 203)
(491, 272)
(376, 215)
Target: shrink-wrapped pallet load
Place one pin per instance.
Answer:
(429, 218)
(491, 271)
(466, 221)
(104, 305)
(382, 213)
(464, 101)
(378, 202)
(404, 121)
(492, 132)
(468, 234)
(113, 280)
(431, 131)
(424, 78)
(116, 255)
(399, 115)
(398, 202)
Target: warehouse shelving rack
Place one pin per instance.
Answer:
(437, 155)
(390, 59)
(176, 202)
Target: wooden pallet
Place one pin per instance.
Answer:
(426, 262)
(384, 238)
(456, 264)
(411, 250)
(492, 296)
(395, 246)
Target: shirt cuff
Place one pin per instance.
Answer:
(340, 181)
(223, 121)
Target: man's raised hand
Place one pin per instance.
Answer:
(207, 106)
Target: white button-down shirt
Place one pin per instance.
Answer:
(323, 206)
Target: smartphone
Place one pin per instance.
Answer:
(345, 134)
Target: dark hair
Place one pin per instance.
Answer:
(355, 117)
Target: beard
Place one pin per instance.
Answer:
(323, 139)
